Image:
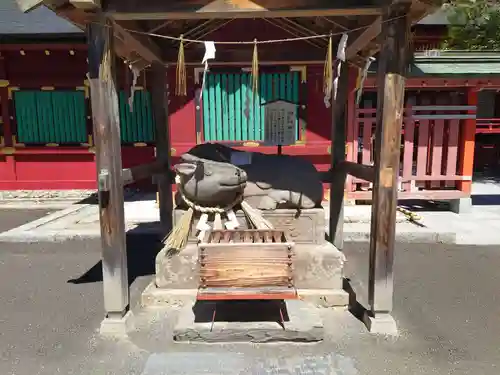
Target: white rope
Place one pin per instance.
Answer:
(205, 209)
(252, 42)
(232, 223)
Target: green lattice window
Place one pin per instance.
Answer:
(50, 116)
(136, 125)
(232, 112)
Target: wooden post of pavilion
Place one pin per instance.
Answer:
(106, 125)
(338, 175)
(392, 67)
(159, 94)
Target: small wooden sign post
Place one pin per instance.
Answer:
(280, 123)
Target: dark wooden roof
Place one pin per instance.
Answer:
(39, 21)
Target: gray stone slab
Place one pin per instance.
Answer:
(308, 227)
(318, 266)
(230, 363)
(303, 323)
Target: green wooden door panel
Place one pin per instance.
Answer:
(136, 125)
(50, 117)
(233, 112)
(237, 106)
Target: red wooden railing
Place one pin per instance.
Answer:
(488, 126)
(430, 154)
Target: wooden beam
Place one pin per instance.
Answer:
(338, 141)
(365, 172)
(27, 5)
(205, 9)
(143, 171)
(364, 39)
(141, 44)
(418, 10)
(433, 195)
(159, 97)
(81, 18)
(106, 123)
(86, 4)
(392, 69)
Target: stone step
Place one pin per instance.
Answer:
(302, 322)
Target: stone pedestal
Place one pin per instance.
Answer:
(117, 327)
(461, 205)
(318, 272)
(318, 265)
(381, 324)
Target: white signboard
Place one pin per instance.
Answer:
(280, 124)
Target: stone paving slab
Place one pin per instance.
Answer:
(303, 322)
(220, 363)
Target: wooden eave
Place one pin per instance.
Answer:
(135, 18)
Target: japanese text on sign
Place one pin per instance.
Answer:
(280, 123)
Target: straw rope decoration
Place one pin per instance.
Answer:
(328, 69)
(180, 83)
(255, 67)
(177, 239)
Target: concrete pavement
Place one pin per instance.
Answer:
(439, 225)
(446, 306)
(12, 218)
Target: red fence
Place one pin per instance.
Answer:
(488, 126)
(432, 136)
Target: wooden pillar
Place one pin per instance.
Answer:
(392, 68)
(466, 164)
(5, 122)
(338, 175)
(159, 94)
(106, 127)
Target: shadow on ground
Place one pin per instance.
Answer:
(486, 200)
(130, 195)
(241, 311)
(418, 205)
(141, 254)
(487, 175)
(355, 308)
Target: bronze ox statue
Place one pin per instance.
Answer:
(209, 177)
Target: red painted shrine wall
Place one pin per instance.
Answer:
(47, 67)
(64, 66)
(37, 66)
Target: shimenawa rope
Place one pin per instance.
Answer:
(177, 239)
